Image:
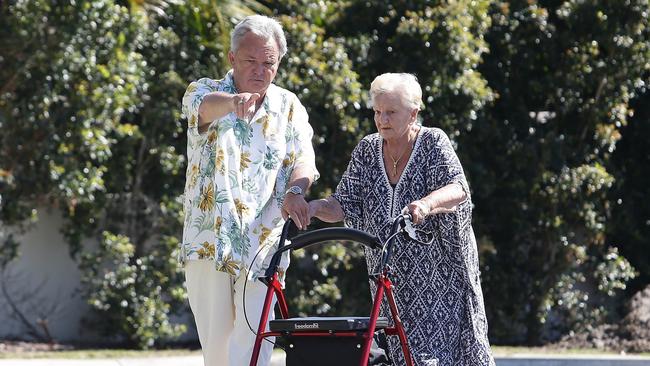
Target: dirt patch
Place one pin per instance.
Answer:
(31, 347)
(632, 334)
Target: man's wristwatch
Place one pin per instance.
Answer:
(294, 190)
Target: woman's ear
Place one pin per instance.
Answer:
(414, 114)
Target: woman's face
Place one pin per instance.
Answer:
(393, 115)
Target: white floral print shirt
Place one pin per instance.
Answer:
(236, 177)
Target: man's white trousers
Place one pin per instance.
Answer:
(217, 302)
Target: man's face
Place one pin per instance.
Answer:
(254, 64)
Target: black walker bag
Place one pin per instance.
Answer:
(329, 349)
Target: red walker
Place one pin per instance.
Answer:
(331, 340)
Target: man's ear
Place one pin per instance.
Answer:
(231, 58)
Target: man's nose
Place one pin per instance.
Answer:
(258, 69)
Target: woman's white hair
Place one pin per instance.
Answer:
(260, 25)
(405, 84)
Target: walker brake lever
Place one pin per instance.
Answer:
(408, 227)
(411, 231)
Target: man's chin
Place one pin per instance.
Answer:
(256, 88)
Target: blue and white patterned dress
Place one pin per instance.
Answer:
(437, 287)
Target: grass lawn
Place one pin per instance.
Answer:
(499, 351)
(511, 351)
(99, 353)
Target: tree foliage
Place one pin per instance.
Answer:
(629, 227)
(92, 126)
(440, 42)
(546, 102)
(564, 74)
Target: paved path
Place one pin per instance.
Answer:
(572, 360)
(278, 360)
(196, 360)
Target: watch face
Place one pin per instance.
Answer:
(295, 190)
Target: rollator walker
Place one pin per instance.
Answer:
(341, 341)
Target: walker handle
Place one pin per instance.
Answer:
(399, 223)
(315, 237)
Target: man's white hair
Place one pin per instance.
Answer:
(405, 84)
(260, 25)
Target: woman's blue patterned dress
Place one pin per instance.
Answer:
(437, 286)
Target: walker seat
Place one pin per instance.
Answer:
(326, 324)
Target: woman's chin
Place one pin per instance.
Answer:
(386, 135)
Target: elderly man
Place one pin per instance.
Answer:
(250, 161)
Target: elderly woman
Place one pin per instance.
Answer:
(408, 167)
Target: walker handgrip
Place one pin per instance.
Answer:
(334, 233)
(275, 260)
(398, 223)
(319, 236)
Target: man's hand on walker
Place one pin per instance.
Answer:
(297, 208)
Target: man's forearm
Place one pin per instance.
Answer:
(302, 176)
(214, 106)
(294, 205)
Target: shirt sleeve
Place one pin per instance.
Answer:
(447, 167)
(192, 99)
(302, 134)
(349, 191)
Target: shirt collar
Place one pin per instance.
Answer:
(273, 102)
(230, 82)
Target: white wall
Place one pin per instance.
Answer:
(44, 265)
(44, 262)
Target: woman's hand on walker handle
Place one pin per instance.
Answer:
(326, 209)
(418, 211)
(313, 208)
(421, 209)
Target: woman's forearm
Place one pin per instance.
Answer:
(445, 199)
(327, 209)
